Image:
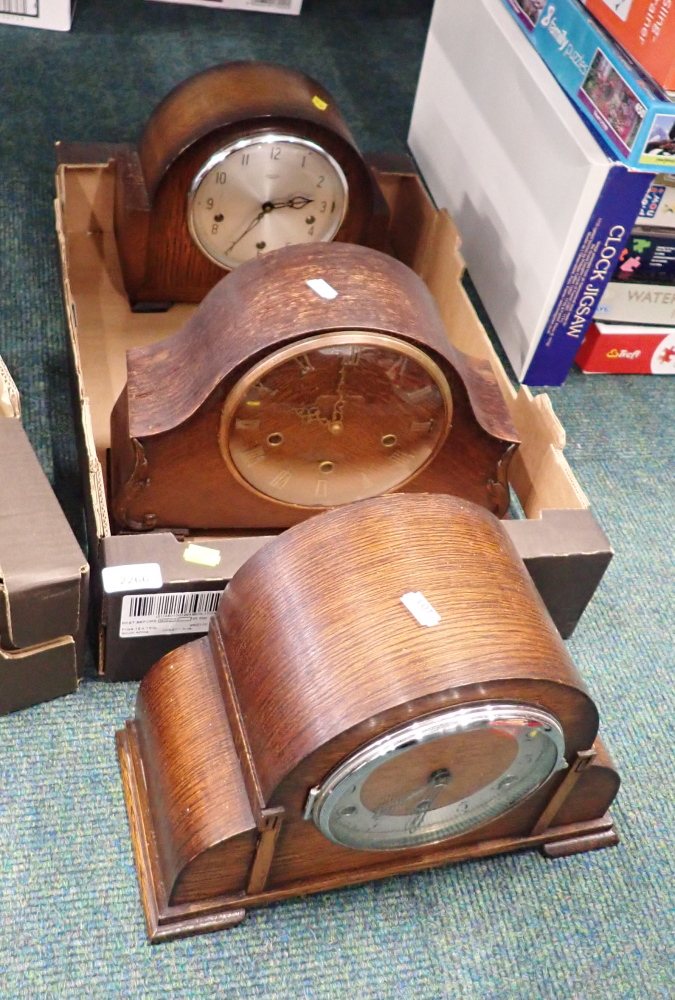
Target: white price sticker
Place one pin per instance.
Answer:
(420, 608)
(322, 288)
(135, 576)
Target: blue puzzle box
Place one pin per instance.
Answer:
(633, 115)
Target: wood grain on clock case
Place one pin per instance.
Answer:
(167, 468)
(159, 260)
(312, 655)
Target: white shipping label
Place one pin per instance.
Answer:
(29, 8)
(133, 576)
(420, 608)
(167, 614)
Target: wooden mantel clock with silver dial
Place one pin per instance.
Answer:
(381, 690)
(310, 377)
(236, 161)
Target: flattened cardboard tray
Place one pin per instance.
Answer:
(43, 574)
(562, 544)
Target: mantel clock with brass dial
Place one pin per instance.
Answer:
(309, 378)
(235, 162)
(381, 690)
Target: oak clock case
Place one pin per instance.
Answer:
(411, 706)
(236, 161)
(279, 399)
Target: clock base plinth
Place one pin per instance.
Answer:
(166, 922)
(581, 843)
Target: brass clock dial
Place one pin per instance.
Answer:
(438, 777)
(335, 418)
(264, 192)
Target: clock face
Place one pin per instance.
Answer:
(335, 418)
(265, 192)
(438, 777)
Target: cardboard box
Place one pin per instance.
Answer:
(648, 257)
(262, 6)
(43, 575)
(57, 15)
(633, 115)
(625, 302)
(560, 538)
(628, 349)
(658, 205)
(543, 210)
(646, 29)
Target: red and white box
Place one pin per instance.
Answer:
(646, 29)
(628, 349)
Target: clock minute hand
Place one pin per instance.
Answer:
(299, 201)
(248, 229)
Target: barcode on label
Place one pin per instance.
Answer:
(270, 3)
(167, 614)
(29, 8)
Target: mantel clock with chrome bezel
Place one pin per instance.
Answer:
(381, 690)
(236, 161)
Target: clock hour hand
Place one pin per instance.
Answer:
(298, 202)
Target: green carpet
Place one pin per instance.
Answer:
(511, 928)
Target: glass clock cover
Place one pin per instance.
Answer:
(439, 776)
(262, 193)
(335, 418)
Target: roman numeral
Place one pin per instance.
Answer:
(254, 455)
(305, 364)
(402, 457)
(282, 478)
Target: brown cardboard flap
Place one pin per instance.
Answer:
(566, 553)
(30, 676)
(42, 568)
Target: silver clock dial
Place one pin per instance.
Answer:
(262, 193)
(439, 776)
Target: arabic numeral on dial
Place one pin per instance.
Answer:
(320, 181)
(275, 152)
(324, 205)
(214, 228)
(310, 231)
(209, 203)
(244, 159)
(221, 177)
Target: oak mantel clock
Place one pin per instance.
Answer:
(310, 377)
(381, 690)
(236, 161)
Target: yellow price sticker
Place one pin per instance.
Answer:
(318, 103)
(202, 555)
